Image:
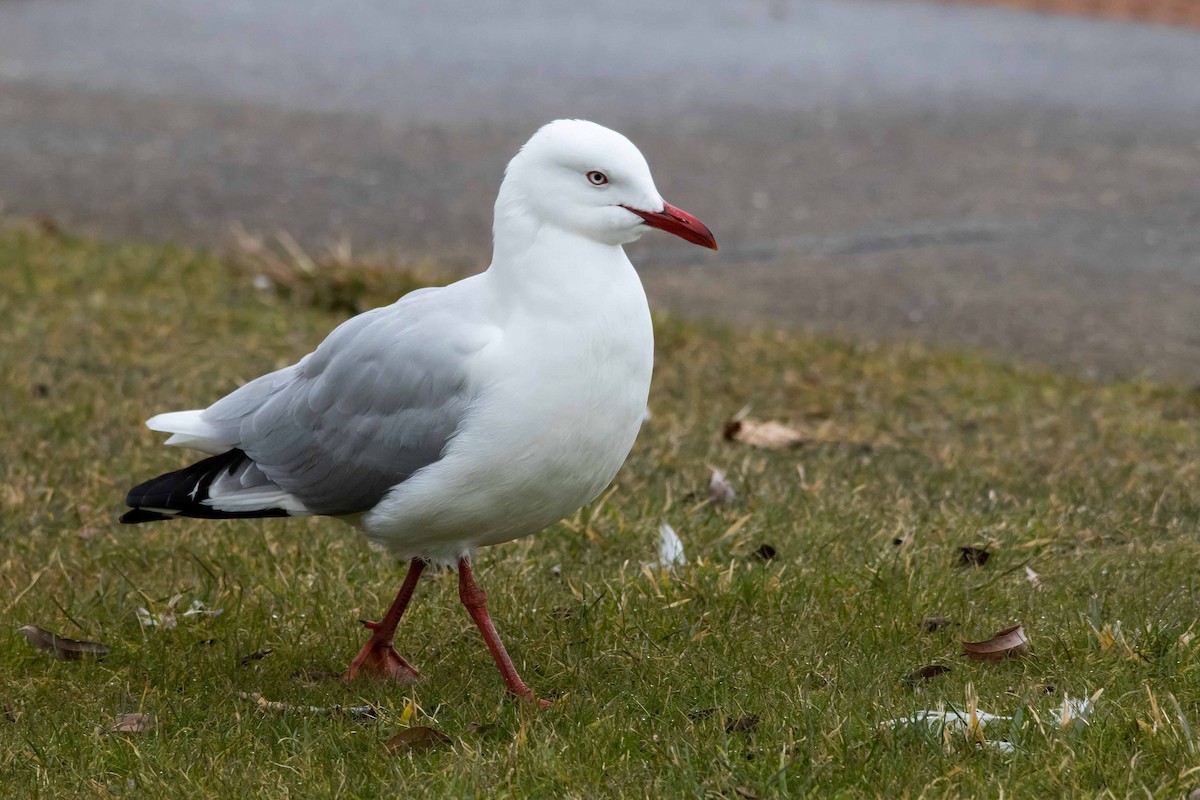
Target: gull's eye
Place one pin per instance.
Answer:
(597, 178)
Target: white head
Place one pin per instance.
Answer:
(587, 179)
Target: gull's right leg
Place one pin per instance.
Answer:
(377, 656)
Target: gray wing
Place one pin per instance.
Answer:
(375, 402)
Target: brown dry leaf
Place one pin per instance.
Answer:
(925, 673)
(132, 723)
(416, 739)
(1008, 643)
(60, 647)
(973, 556)
(771, 435)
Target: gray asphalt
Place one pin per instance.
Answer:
(972, 177)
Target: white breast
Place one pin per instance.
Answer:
(563, 398)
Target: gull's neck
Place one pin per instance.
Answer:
(542, 266)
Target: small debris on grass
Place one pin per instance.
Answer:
(720, 491)
(257, 655)
(973, 556)
(769, 435)
(131, 723)
(765, 552)
(740, 724)
(168, 620)
(1035, 580)
(970, 723)
(163, 621)
(1074, 713)
(416, 739)
(746, 794)
(357, 712)
(60, 647)
(935, 623)
(670, 548)
(197, 609)
(1008, 643)
(925, 673)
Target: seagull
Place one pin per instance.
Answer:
(459, 416)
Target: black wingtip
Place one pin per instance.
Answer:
(135, 515)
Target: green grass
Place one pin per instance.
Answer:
(1092, 486)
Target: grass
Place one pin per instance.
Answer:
(802, 657)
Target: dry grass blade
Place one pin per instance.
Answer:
(1008, 643)
(769, 435)
(416, 739)
(60, 647)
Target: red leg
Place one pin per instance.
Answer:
(377, 656)
(475, 599)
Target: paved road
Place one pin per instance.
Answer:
(968, 176)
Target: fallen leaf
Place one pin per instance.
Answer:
(973, 556)
(925, 673)
(934, 623)
(131, 723)
(719, 489)
(1008, 643)
(60, 647)
(765, 551)
(741, 724)
(771, 435)
(257, 655)
(670, 548)
(413, 740)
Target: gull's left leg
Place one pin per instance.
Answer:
(377, 655)
(475, 599)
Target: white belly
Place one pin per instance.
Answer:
(554, 424)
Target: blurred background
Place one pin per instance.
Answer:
(1021, 177)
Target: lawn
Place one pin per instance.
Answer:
(734, 675)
